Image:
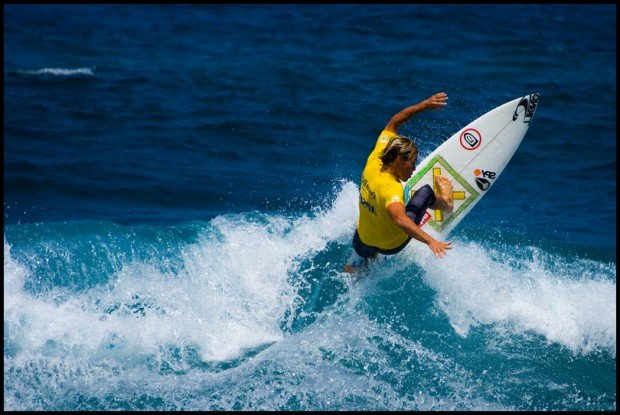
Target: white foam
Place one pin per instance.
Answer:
(238, 282)
(232, 293)
(569, 303)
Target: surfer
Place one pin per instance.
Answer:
(385, 224)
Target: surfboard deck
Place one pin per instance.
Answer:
(473, 158)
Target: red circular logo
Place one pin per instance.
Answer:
(470, 139)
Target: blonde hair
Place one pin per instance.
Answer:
(398, 146)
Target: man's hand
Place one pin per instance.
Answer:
(436, 102)
(440, 248)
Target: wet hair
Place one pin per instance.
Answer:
(398, 146)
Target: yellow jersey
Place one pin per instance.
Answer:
(378, 190)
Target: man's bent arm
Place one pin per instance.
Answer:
(397, 213)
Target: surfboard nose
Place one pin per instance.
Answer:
(526, 106)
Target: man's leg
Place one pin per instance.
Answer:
(355, 262)
(421, 200)
(360, 255)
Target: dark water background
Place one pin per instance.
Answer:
(180, 189)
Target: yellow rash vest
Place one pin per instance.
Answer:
(378, 190)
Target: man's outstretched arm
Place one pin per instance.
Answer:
(435, 102)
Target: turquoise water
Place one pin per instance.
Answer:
(181, 189)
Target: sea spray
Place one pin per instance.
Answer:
(253, 311)
(569, 301)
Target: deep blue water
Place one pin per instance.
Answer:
(180, 191)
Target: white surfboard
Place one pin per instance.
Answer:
(473, 159)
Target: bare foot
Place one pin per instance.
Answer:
(348, 268)
(444, 193)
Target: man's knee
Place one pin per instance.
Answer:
(420, 202)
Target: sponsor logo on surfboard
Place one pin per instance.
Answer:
(470, 139)
(529, 104)
(485, 173)
(482, 182)
(425, 218)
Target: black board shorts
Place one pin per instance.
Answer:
(421, 200)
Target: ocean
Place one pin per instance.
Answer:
(180, 194)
